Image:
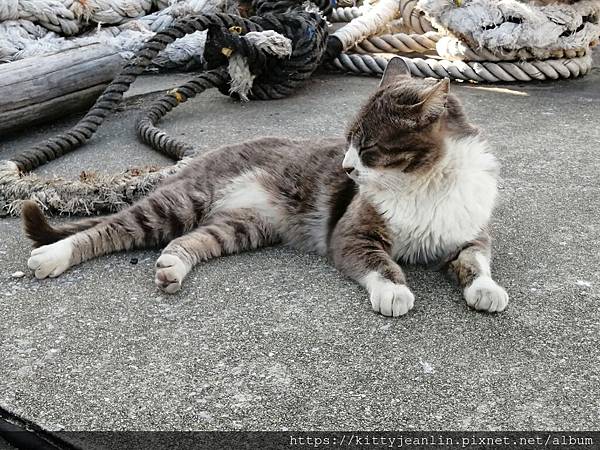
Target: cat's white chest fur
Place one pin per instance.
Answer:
(430, 216)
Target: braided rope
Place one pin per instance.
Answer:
(414, 18)
(51, 14)
(106, 194)
(93, 194)
(400, 42)
(457, 60)
(346, 14)
(447, 47)
(146, 128)
(278, 82)
(109, 11)
(113, 94)
(367, 24)
(492, 72)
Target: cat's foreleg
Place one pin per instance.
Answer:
(365, 258)
(226, 233)
(472, 270)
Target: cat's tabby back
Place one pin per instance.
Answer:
(412, 182)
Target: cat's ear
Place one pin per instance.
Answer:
(435, 98)
(395, 68)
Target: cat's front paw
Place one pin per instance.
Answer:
(391, 299)
(485, 294)
(170, 272)
(51, 260)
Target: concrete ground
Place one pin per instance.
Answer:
(277, 340)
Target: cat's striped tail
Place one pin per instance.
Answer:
(38, 229)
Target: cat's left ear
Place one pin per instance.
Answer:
(435, 98)
(395, 68)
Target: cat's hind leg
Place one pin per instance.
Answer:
(153, 221)
(472, 270)
(224, 233)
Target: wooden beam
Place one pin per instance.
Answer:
(46, 88)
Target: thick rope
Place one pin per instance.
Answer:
(113, 94)
(491, 72)
(102, 194)
(146, 128)
(367, 24)
(400, 42)
(453, 58)
(92, 194)
(51, 14)
(274, 77)
(414, 18)
(280, 81)
(447, 47)
(346, 14)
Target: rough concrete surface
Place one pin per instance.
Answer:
(277, 340)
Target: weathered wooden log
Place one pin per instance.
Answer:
(49, 87)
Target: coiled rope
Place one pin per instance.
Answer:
(359, 47)
(471, 71)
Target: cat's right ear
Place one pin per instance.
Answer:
(396, 67)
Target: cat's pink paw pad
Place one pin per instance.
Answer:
(170, 272)
(484, 294)
(392, 299)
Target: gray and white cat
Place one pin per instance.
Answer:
(412, 182)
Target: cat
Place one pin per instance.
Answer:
(412, 182)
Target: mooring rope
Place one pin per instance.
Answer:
(491, 72)
(273, 78)
(444, 56)
(399, 43)
(113, 94)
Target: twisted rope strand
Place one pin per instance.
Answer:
(492, 72)
(346, 14)
(457, 60)
(399, 43)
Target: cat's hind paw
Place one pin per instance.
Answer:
(391, 299)
(51, 260)
(170, 272)
(484, 294)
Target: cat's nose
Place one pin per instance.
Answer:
(348, 170)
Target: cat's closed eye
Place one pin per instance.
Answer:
(367, 147)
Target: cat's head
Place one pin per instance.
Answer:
(402, 127)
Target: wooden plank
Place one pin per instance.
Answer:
(58, 75)
(58, 107)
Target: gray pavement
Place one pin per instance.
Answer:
(277, 340)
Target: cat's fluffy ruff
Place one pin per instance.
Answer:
(432, 215)
(421, 188)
